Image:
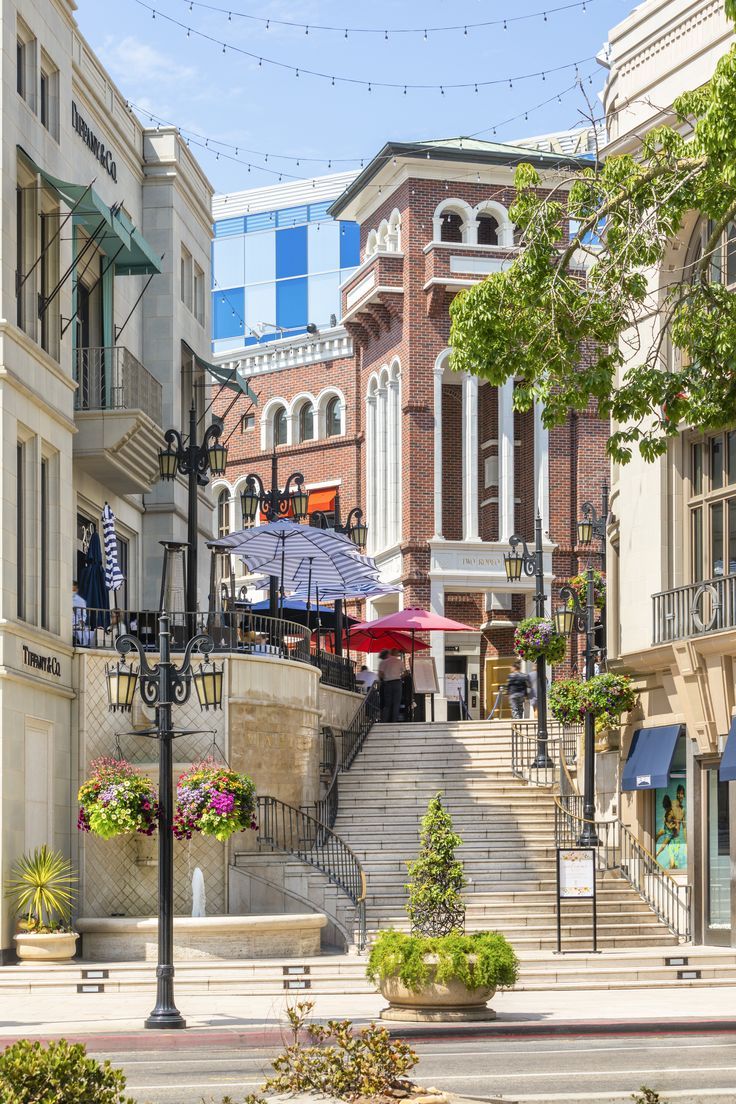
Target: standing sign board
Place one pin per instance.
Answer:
(576, 882)
(425, 677)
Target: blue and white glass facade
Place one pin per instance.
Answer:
(276, 269)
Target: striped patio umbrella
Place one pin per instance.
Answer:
(114, 577)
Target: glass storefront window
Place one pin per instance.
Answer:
(718, 897)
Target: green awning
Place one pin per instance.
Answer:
(112, 230)
(227, 377)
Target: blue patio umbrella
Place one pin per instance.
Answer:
(93, 588)
(301, 613)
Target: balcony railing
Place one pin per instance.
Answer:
(113, 379)
(693, 610)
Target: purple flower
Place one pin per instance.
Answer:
(222, 803)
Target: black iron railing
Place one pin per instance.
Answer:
(284, 828)
(562, 741)
(705, 607)
(335, 670)
(327, 806)
(113, 379)
(353, 737)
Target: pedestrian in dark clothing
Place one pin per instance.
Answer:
(390, 671)
(518, 688)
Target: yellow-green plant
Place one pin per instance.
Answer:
(57, 1073)
(42, 887)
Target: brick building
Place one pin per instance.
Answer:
(444, 468)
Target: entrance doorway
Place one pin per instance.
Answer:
(717, 866)
(456, 667)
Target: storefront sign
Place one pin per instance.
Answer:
(670, 825)
(99, 149)
(49, 664)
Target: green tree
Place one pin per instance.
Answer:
(571, 334)
(436, 905)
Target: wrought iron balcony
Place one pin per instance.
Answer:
(118, 413)
(694, 610)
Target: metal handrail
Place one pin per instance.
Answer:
(335, 670)
(295, 832)
(694, 609)
(525, 750)
(113, 378)
(353, 737)
(327, 806)
(621, 851)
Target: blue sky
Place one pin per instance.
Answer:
(231, 98)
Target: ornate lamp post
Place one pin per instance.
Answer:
(162, 685)
(196, 461)
(517, 565)
(592, 527)
(570, 616)
(274, 504)
(357, 530)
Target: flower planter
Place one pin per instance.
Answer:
(447, 1001)
(45, 946)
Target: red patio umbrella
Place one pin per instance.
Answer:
(369, 642)
(411, 621)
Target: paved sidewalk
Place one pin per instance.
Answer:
(109, 1020)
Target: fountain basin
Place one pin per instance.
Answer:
(135, 939)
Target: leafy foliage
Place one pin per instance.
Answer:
(645, 1095)
(606, 696)
(564, 318)
(536, 637)
(479, 959)
(436, 905)
(579, 584)
(117, 798)
(57, 1073)
(214, 800)
(339, 1061)
(41, 886)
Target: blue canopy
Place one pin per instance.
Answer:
(727, 772)
(92, 586)
(650, 757)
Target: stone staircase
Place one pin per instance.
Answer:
(508, 833)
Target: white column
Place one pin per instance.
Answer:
(470, 458)
(541, 468)
(371, 482)
(381, 472)
(506, 460)
(437, 646)
(392, 466)
(439, 372)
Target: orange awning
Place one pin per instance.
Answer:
(323, 500)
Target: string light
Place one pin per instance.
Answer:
(462, 28)
(355, 80)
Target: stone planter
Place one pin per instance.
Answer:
(448, 1001)
(45, 946)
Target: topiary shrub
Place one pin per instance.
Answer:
(57, 1073)
(436, 905)
(477, 960)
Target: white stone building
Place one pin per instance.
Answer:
(104, 282)
(671, 565)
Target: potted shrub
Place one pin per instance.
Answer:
(41, 888)
(214, 800)
(437, 972)
(117, 798)
(536, 638)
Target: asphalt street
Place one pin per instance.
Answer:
(684, 1069)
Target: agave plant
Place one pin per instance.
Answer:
(41, 887)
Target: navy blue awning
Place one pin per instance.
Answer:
(650, 757)
(727, 773)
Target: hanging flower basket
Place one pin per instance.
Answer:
(579, 584)
(536, 638)
(117, 798)
(605, 696)
(214, 800)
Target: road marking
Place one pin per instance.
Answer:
(554, 1049)
(700, 1070)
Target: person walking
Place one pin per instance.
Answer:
(518, 688)
(390, 671)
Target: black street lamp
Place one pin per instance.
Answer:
(593, 527)
(357, 530)
(196, 461)
(274, 504)
(529, 563)
(569, 617)
(162, 685)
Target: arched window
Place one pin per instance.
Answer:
(333, 417)
(223, 513)
(306, 422)
(487, 230)
(279, 426)
(452, 227)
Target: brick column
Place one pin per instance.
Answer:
(541, 468)
(506, 460)
(438, 473)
